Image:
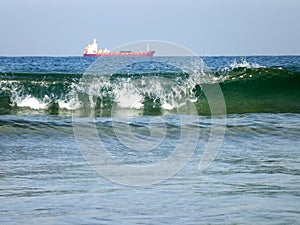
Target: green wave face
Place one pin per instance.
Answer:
(262, 90)
(245, 90)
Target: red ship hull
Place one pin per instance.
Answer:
(123, 54)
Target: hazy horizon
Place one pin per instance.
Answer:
(206, 27)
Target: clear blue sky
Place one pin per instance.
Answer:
(212, 27)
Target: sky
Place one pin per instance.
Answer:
(206, 27)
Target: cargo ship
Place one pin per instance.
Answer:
(92, 50)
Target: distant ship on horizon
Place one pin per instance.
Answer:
(92, 50)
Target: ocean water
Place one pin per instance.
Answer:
(150, 140)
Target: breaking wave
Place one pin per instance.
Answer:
(151, 88)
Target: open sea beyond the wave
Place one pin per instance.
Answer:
(46, 178)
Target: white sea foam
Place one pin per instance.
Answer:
(68, 105)
(244, 64)
(167, 106)
(30, 102)
(129, 100)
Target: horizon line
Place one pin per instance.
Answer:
(200, 55)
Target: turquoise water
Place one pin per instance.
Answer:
(44, 177)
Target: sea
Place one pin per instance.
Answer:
(158, 140)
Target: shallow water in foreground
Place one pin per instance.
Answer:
(254, 179)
